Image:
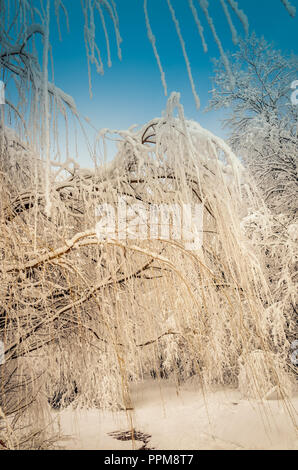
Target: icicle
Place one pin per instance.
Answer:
(232, 27)
(198, 23)
(153, 43)
(291, 10)
(204, 6)
(196, 97)
(241, 15)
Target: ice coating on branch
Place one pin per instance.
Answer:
(92, 49)
(115, 19)
(204, 6)
(199, 25)
(59, 4)
(241, 15)
(231, 24)
(152, 39)
(291, 10)
(176, 22)
(106, 34)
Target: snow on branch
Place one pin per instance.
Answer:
(152, 39)
(290, 9)
(177, 26)
(241, 15)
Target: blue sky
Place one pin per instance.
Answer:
(130, 92)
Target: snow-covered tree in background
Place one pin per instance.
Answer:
(263, 124)
(261, 117)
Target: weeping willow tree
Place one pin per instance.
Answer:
(83, 317)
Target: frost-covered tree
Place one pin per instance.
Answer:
(263, 124)
(262, 120)
(82, 317)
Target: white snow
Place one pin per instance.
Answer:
(183, 419)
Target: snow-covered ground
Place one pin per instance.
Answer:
(183, 419)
